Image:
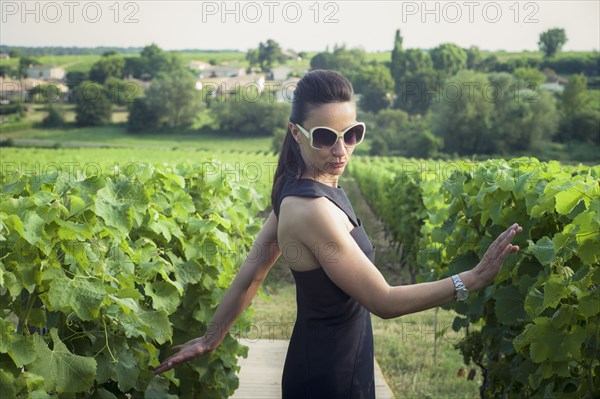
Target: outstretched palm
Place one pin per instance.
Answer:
(188, 351)
(497, 252)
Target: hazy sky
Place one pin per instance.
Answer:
(299, 25)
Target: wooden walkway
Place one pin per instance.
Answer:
(260, 374)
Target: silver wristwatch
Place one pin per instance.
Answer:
(461, 293)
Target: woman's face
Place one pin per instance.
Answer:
(331, 162)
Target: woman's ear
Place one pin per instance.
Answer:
(295, 132)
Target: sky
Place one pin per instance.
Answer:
(299, 25)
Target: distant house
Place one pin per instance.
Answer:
(553, 87)
(281, 72)
(225, 86)
(291, 55)
(45, 72)
(206, 70)
(219, 71)
(554, 84)
(143, 84)
(21, 89)
(4, 56)
(200, 66)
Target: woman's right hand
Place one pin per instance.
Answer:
(188, 351)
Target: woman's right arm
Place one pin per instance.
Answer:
(260, 259)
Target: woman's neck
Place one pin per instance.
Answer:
(325, 178)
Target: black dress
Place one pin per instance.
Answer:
(330, 354)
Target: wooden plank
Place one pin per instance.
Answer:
(260, 374)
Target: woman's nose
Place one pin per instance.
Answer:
(339, 149)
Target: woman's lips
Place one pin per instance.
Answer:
(337, 164)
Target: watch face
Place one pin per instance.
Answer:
(462, 295)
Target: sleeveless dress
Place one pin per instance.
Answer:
(330, 354)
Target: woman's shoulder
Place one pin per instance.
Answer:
(312, 211)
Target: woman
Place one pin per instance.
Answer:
(330, 354)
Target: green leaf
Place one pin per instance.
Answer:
(534, 302)
(546, 342)
(115, 214)
(164, 296)
(509, 305)
(554, 291)
(188, 273)
(589, 304)
(566, 200)
(33, 229)
(82, 296)
(7, 384)
(543, 250)
(7, 332)
(63, 371)
(22, 350)
(588, 252)
(158, 389)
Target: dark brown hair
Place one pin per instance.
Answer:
(315, 88)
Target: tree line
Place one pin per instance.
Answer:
(447, 100)
(457, 101)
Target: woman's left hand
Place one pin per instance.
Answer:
(487, 269)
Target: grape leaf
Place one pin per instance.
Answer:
(509, 305)
(83, 296)
(543, 250)
(63, 371)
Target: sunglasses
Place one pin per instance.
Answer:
(324, 138)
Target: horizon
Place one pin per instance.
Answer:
(309, 27)
(198, 50)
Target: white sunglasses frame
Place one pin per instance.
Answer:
(309, 135)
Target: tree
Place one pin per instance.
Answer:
(397, 52)
(106, 67)
(251, 118)
(141, 116)
(55, 118)
(75, 78)
(399, 135)
(491, 114)
(152, 61)
(415, 82)
(269, 54)
(46, 93)
(6, 71)
(524, 116)
(252, 57)
(463, 120)
(92, 107)
(474, 58)
(529, 77)
(174, 98)
(15, 53)
(448, 59)
(121, 92)
(552, 41)
(574, 98)
(25, 63)
(323, 60)
(374, 83)
(346, 61)
(580, 121)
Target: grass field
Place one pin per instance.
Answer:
(118, 136)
